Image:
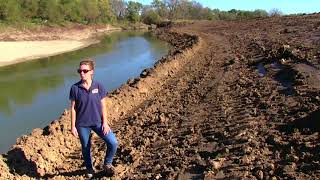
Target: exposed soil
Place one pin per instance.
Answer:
(46, 33)
(205, 111)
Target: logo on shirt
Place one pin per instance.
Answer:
(95, 91)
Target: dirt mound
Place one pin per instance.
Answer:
(231, 100)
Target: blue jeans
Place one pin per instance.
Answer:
(85, 139)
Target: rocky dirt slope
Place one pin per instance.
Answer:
(232, 100)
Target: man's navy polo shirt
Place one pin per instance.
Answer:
(87, 103)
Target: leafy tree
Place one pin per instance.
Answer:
(95, 11)
(172, 7)
(90, 10)
(182, 9)
(70, 10)
(206, 13)
(50, 10)
(151, 17)
(260, 13)
(195, 10)
(10, 10)
(118, 7)
(233, 11)
(160, 8)
(275, 12)
(133, 10)
(3, 9)
(30, 8)
(224, 15)
(105, 11)
(245, 15)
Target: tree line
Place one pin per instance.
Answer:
(108, 11)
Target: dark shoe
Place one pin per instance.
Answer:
(109, 169)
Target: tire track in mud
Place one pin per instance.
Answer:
(168, 121)
(221, 124)
(186, 132)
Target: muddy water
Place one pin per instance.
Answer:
(35, 93)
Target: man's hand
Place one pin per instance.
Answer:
(105, 128)
(74, 131)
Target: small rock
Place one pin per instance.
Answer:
(163, 118)
(245, 160)
(295, 158)
(283, 61)
(246, 173)
(292, 158)
(41, 172)
(220, 175)
(130, 81)
(259, 174)
(247, 149)
(158, 176)
(37, 132)
(65, 112)
(269, 166)
(216, 165)
(271, 172)
(145, 73)
(157, 167)
(288, 169)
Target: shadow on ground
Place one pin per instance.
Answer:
(18, 164)
(310, 123)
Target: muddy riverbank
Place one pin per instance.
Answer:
(204, 111)
(56, 137)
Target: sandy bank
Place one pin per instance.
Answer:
(14, 52)
(22, 46)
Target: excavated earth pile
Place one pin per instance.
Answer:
(231, 100)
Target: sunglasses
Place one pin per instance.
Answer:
(83, 70)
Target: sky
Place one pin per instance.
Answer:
(285, 6)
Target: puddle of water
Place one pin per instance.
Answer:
(283, 76)
(276, 66)
(286, 78)
(261, 70)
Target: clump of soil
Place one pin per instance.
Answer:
(204, 111)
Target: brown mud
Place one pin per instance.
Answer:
(205, 111)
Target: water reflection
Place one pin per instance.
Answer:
(33, 93)
(20, 83)
(261, 70)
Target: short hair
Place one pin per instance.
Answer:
(90, 62)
